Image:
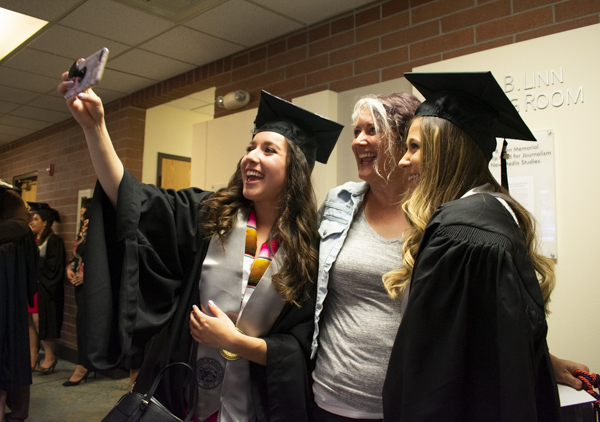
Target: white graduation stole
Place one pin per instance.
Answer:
(223, 384)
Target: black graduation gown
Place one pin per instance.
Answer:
(143, 264)
(472, 343)
(18, 279)
(51, 297)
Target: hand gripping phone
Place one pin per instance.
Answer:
(87, 72)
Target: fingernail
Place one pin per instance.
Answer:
(69, 83)
(80, 95)
(195, 308)
(211, 302)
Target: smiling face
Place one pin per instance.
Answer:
(37, 225)
(264, 168)
(411, 161)
(365, 146)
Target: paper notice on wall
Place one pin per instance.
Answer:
(530, 167)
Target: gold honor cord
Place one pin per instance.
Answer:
(229, 355)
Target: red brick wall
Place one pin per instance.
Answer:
(372, 44)
(64, 146)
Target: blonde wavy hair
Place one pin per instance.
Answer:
(453, 164)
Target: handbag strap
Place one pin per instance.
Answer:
(156, 381)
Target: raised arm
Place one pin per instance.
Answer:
(87, 109)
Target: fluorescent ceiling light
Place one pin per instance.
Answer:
(15, 28)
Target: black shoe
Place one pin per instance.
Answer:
(47, 371)
(69, 383)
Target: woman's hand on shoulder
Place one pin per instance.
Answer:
(564, 369)
(85, 107)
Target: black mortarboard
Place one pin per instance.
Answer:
(472, 101)
(5, 185)
(44, 211)
(315, 135)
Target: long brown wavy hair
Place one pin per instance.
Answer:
(295, 228)
(453, 164)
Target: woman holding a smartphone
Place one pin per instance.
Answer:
(224, 282)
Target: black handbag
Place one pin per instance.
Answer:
(137, 407)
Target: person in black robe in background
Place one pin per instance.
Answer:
(18, 279)
(472, 343)
(147, 246)
(75, 276)
(51, 274)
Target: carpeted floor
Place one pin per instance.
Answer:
(89, 401)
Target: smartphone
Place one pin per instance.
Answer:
(87, 72)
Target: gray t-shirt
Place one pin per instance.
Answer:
(360, 321)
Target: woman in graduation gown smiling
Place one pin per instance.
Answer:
(472, 343)
(223, 282)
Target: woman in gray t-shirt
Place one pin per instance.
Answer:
(361, 228)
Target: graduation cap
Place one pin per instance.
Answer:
(44, 211)
(474, 102)
(315, 135)
(5, 185)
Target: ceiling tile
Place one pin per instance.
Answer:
(187, 103)
(7, 139)
(23, 122)
(41, 9)
(16, 95)
(107, 96)
(191, 46)
(15, 131)
(41, 114)
(72, 44)
(311, 11)
(208, 95)
(149, 65)
(114, 80)
(242, 23)
(6, 106)
(117, 22)
(21, 79)
(50, 102)
(207, 109)
(40, 63)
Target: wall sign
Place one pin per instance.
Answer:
(530, 168)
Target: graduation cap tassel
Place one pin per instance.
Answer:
(503, 157)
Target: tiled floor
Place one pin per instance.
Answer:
(89, 401)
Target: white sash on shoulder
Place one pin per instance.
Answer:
(225, 384)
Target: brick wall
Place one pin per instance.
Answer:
(376, 43)
(64, 146)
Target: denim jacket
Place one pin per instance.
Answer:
(336, 215)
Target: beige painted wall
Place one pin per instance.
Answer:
(218, 146)
(574, 328)
(169, 131)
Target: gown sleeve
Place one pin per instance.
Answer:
(281, 390)
(472, 343)
(51, 271)
(137, 259)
